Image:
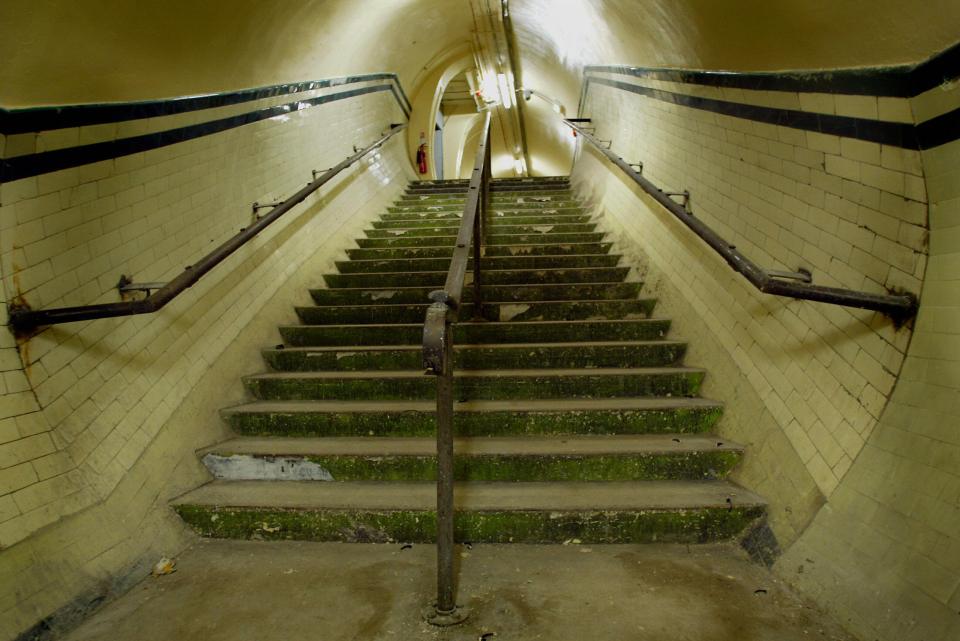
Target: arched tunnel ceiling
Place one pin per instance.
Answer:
(59, 52)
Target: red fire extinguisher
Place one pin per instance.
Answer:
(422, 155)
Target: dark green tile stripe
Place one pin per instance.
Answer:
(35, 164)
(35, 119)
(904, 81)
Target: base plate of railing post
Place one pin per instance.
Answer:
(442, 619)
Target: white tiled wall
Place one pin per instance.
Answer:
(824, 397)
(85, 408)
(886, 549)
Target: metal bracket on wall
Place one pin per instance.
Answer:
(317, 172)
(258, 206)
(802, 274)
(638, 166)
(686, 197)
(126, 285)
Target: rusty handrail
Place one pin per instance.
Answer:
(438, 359)
(23, 319)
(899, 307)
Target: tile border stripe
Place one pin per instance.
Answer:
(931, 133)
(29, 165)
(904, 81)
(36, 119)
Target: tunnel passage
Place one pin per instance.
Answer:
(849, 423)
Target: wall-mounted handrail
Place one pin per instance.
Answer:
(23, 319)
(438, 359)
(900, 307)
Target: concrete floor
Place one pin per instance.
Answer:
(292, 591)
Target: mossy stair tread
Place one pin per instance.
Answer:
(585, 323)
(493, 238)
(592, 496)
(549, 291)
(335, 349)
(444, 251)
(513, 405)
(484, 374)
(570, 446)
(493, 311)
(544, 228)
(491, 276)
(370, 266)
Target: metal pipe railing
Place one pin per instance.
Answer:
(438, 359)
(900, 307)
(23, 319)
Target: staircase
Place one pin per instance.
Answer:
(576, 418)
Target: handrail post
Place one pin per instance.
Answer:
(438, 359)
(446, 606)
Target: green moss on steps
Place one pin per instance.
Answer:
(535, 467)
(492, 277)
(355, 266)
(555, 249)
(679, 420)
(656, 382)
(532, 311)
(477, 333)
(492, 239)
(684, 526)
(479, 357)
(542, 229)
(505, 293)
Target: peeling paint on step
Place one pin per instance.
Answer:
(384, 295)
(509, 312)
(396, 232)
(543, 229)
(243, 467)
(541, 199)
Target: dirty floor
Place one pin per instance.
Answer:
(293, 591)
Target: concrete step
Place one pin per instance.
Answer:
(451, 219)
(516, 206)
(554, 512)
(537, 238)
(424, 215)
(496, 183)
(461, 190)
(542, 292)
(355, 266)
(547, 249)
(645, 457)
(537, 355)
(492, 277)
(479, 333)
(498, 196)
(499, 384)
(440, 230)
(649, 415)
(491, 311)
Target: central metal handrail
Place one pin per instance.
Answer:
(23, 319)
(438, 359)
(900, 307)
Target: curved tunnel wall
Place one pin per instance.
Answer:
(877, 515)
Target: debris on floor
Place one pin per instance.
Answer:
(164, 566)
